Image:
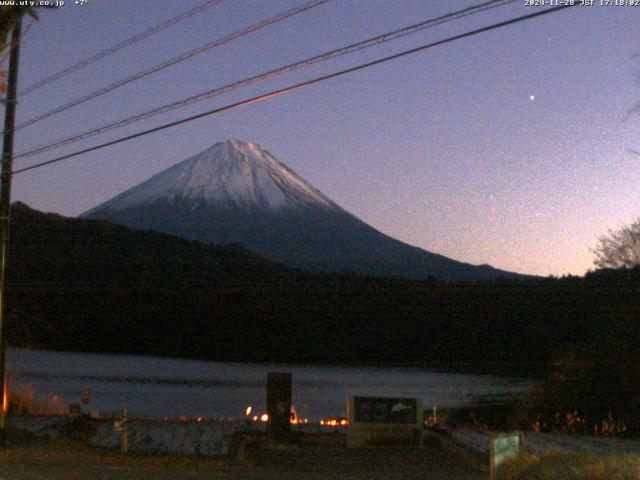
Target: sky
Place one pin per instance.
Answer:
(513, 148)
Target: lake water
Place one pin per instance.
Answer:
(152, 386)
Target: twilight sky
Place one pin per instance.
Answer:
(511, 148)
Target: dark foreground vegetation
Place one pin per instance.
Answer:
(86, 285)
(583, 466)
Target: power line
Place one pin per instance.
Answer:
(119, 46)
(298, 86)
(374, 41)
(181, 58)
(270, 74)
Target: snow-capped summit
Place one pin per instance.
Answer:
(229, 175)
(236, 192)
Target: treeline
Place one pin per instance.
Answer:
(91, 286)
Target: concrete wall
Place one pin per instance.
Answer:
(206, 438)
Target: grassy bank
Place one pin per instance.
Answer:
(318, 457)
(580, 466)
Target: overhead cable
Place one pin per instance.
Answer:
(119, 46)
(298, 86)
(174, 61)
(268, 75)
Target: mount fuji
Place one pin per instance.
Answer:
(236, 192)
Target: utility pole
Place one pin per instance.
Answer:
(5, 200)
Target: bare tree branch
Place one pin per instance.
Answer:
(619, 248)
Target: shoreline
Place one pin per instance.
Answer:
(443, 368)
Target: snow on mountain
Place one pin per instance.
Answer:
(231, 174)
(236, 192)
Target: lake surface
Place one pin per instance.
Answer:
(152, 386)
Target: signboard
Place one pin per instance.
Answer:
(504, 447)
(376, 421)
(385, 410)
(279, 406)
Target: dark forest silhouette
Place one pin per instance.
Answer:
(84, 285)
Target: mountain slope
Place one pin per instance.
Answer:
(228, 176)
(236, 192)
(49, 249)
(85, 285)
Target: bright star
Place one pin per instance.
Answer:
(532, 98)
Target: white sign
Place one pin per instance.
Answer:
(503, 447)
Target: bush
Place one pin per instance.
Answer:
(592, 389)
(24, 400)
(572, 467)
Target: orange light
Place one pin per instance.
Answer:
(264, 417)
(248, 410)
(5, 400)
(333, 422)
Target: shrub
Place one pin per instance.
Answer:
(572, 467)
(24, 400)
(591, 389)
